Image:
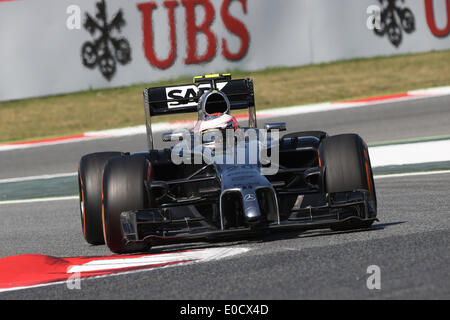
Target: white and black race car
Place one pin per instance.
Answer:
(307, 180)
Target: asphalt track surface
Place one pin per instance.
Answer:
(410, 242)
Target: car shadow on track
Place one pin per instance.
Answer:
(195, 246)
(326, 232)
(266, 238)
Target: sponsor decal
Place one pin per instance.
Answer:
(106, 49)
(250, 197)
(394, 19)
(185, 93)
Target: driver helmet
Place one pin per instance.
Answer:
(217, 122)
(214, 114)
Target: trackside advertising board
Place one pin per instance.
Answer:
(50, 47)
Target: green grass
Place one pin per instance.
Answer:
(276, 87)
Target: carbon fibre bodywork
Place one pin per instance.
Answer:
(211, 201)
(254, 183)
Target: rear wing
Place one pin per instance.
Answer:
(184, 99)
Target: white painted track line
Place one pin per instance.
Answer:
(41, 177)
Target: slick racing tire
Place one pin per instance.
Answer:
(123, 190)
(347, 168)
(90, 171)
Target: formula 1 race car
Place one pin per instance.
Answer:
(220, 180)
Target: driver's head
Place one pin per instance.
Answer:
(214, 114)
(217, 122)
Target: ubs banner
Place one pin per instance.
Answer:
(58, 46)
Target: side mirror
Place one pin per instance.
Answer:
(280, 126)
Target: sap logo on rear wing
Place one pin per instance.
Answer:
(183, 96)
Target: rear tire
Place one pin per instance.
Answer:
(123, 190)
(347, 168)
(90, 171)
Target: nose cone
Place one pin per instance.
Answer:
(252, 212)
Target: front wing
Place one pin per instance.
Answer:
(150, 227)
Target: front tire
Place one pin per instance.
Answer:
(123, 190)
(347, 168)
